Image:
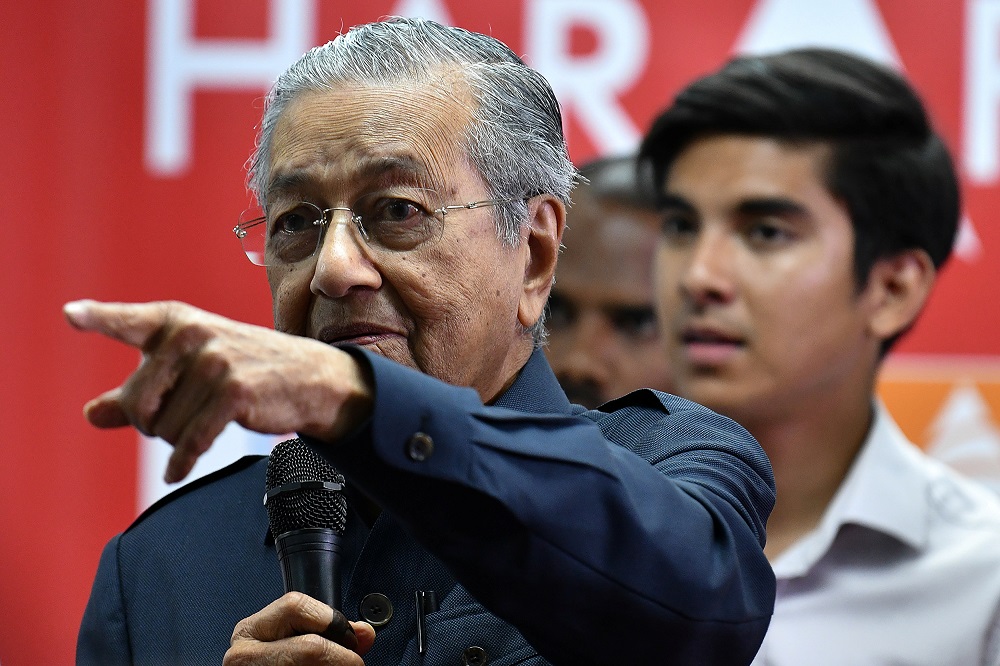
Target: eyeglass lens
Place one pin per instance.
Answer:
(396, 222)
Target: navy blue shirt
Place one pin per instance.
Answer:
(625, 535)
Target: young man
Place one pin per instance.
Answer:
(808, 207)
(603, 337)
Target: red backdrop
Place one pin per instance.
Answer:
(124, 131)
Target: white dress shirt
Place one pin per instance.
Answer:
(903, 569)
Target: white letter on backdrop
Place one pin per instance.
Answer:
(589, 85)
(434, 10)
(851, 25)
(981, 136)
(177, 64)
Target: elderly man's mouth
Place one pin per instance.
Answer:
(362, 335)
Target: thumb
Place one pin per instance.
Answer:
(365, 634)
(105, 411)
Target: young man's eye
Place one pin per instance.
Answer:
(768, 233)
(678, 225)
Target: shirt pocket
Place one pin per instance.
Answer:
(463, 632)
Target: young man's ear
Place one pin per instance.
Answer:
(547, 221)
(898, 287)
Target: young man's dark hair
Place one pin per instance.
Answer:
(887, 164)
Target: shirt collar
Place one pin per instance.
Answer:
(883, 491)
(536, 389)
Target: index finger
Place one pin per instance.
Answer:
(132, 323)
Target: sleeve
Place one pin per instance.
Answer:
(596, 554)
(103, 638)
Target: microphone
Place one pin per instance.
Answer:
(307, 512)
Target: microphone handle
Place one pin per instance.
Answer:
(310, 563)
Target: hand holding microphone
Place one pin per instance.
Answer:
(293, 629)
(307, 513)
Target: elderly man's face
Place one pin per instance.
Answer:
(449, 307)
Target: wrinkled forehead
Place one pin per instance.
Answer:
(409, 131)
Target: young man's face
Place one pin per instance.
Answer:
(760, 312)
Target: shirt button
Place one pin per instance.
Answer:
(376, 609)
(475, 656)
(420, 447)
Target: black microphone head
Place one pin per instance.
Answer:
(303, 491)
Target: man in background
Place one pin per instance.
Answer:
(808, 208)
(603, 337)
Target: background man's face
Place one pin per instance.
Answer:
(604, 339)
(754, 280)
(447, 308)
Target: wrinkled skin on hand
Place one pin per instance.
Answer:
(297, 629)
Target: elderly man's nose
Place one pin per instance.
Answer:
(344, 262)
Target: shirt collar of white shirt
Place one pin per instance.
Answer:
(877, 493)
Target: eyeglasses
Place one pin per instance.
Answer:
(396, 222)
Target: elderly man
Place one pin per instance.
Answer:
(808, 206)
(603, 337)
(413, 181)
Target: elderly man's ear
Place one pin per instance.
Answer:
(547, 220)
